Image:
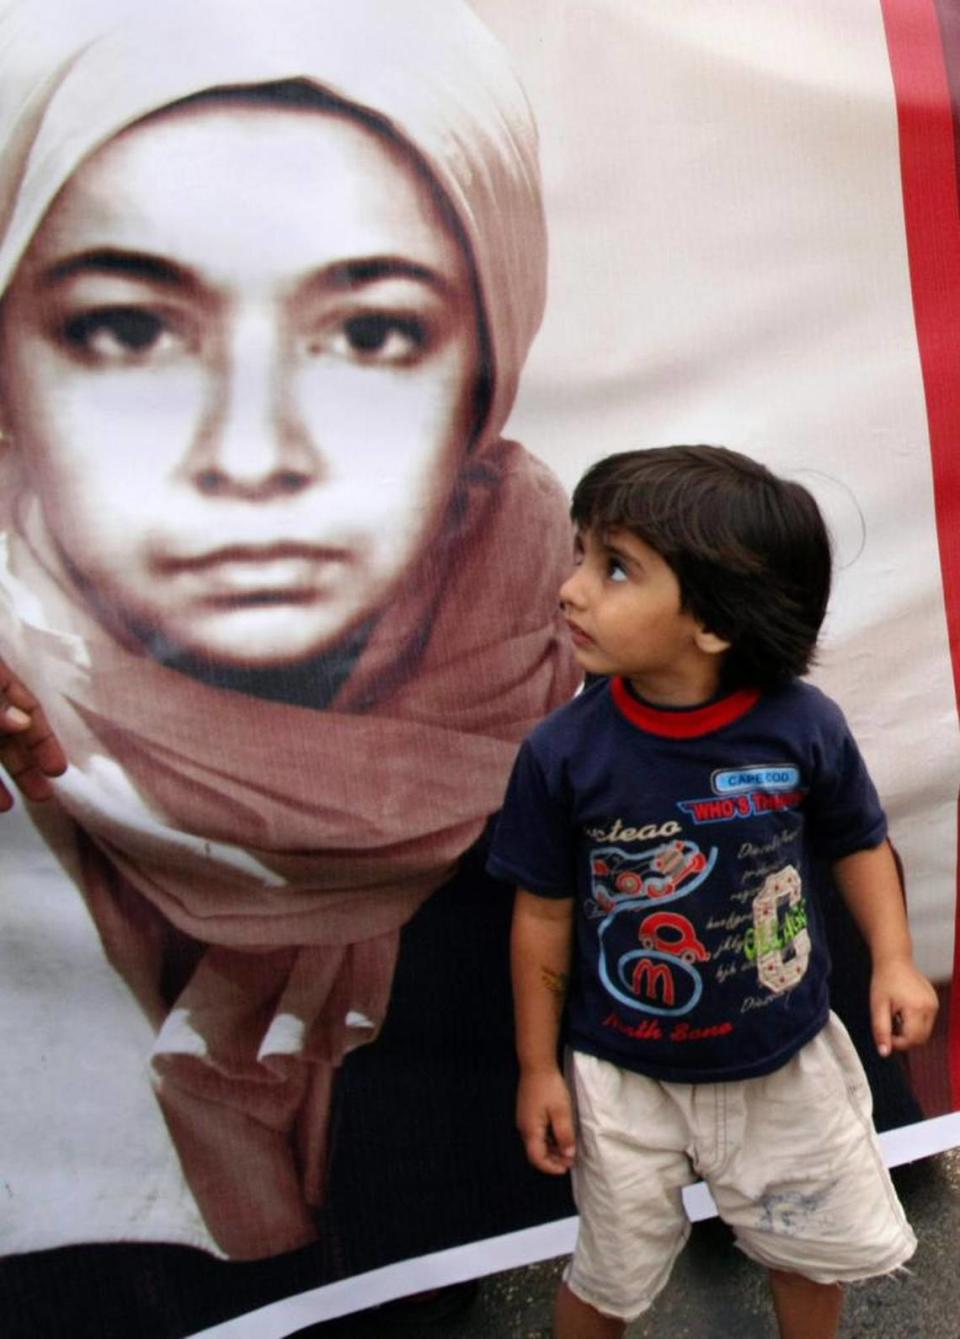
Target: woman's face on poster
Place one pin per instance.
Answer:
(238, 367)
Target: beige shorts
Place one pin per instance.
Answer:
(792, 1161)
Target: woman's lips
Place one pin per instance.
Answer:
(254, 554)
(272, 573)
(247, 578)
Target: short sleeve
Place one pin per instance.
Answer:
(844, 813)
(534, 839)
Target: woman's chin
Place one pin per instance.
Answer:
(269, 637)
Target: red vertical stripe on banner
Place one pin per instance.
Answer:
(928, 167)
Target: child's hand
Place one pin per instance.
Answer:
(545, 1121)
(903, 1006)
(29, 751)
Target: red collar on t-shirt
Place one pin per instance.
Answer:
(682, 722)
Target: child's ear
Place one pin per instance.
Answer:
(709, 642)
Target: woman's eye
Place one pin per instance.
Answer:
(119, 334)
(375, 337)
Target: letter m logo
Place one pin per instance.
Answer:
(653, 981)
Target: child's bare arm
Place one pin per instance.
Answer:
(29, 751)
(903, 1003)
(540, 960)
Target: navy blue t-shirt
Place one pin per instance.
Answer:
(697, 845)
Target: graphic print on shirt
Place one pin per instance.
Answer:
(694, 936)
(767, 946)
(744, 792)
(652, 959)
(649, 958)
(667, 872)
(779, 942)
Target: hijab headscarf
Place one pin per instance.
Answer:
(249, 864)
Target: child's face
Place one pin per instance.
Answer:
(238, 365)
(623, 607)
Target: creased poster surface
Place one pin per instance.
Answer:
(286, 584)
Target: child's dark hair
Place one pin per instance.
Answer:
(750, 551)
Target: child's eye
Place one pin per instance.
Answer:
(379, 338)
(616, 570)
(119, 335)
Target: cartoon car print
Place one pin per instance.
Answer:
(672, 865)
(669, 869)
(666, 932)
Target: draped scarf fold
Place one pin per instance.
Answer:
(250, 865)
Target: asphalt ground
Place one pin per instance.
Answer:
(715, 1292)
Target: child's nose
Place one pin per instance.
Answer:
(571, 592)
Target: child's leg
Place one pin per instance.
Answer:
(799, 1176)
(805, 1310)
(573, 1319)
(628, 1174)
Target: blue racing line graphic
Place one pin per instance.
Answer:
(647, 956)
(645, 971)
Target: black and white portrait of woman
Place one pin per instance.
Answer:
(288, 598)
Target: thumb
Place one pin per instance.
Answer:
(561, 1121)
(881, 1016)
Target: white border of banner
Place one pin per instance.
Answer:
(510, 1251)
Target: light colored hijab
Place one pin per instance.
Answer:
(274, 852)
(73, 73)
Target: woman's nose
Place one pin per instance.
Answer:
(252, 442)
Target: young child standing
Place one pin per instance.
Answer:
(672, 830)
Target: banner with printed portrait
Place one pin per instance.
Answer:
(313, 315)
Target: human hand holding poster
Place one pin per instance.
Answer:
(284, 732)
(29, 750)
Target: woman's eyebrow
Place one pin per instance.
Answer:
(356, 273)
(150, 268)
(110, 260)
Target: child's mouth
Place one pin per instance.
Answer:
(578, 636)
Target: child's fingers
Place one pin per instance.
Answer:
(881, 1017)
(913, 1025)
(561, 1120)
(545, 1121)
(534, 1131)
(542, 1152)
(548, 1138)
(899, 1022)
